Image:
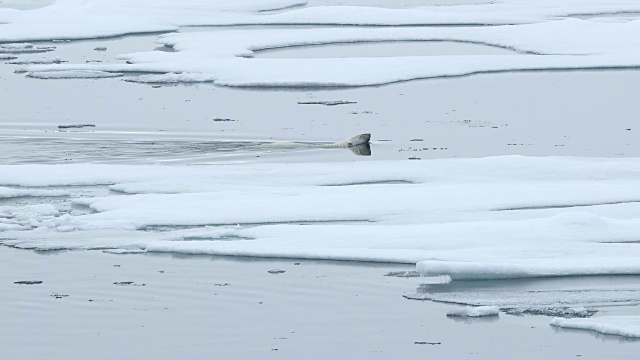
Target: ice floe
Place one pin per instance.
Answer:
(221, 56)
(628, 326)
(545, 28)
(478, 311)
(503, 217)
(82, 19)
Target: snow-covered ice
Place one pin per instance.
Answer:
(628, 326)
(220, 57)
(479, 311)
(503, 217)
(544, 28)
(78, 19)
(82, 19)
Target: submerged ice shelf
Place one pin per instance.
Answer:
(441, 215)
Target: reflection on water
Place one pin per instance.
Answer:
(597, 335)
(474, 320)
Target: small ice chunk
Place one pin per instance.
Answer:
(403, 274)
(28, 282)
(24, 48)
(75, 126)
(327, 103)
(16, 46)
(73, 74)
(478, 311)
(628, 326)
(127, 283)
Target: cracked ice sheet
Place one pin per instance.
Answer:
(81, 19)
(503, 217)
(219, 57)
(628, 326)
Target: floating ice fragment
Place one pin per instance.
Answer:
(24, 49)
(28, 282)
(73, 74)
(75, 126)
(403, 274)
(327, 103)
(16, 46)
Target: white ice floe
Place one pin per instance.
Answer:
(82, 19)
(628, 326)
(221, 56)
(213, 56)
(503, 217)
(479, 311)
